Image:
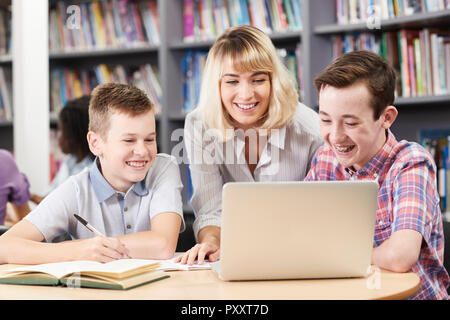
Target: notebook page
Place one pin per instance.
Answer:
(57, 269)
(170, 265)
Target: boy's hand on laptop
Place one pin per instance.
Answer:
(200, 251)
(102, 249)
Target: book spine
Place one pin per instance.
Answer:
(441, 62)
(188, 16)
(406, 89)
(412, 72)
(297, 8)
(447, 65)
(154, 19)
(281, 15)
(418, 66)
(292, 25)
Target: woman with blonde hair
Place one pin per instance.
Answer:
(248, 126)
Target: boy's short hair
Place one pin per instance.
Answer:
(366, 67)
(115, 97)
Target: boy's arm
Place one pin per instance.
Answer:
(159, 243)
(414, 210)
(400, 252)
(22, 244)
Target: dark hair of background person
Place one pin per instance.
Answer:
(74, 123)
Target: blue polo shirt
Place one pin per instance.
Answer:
(111, 212)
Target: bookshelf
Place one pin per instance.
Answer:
(319, 25)
(414, 112)
(6, 124)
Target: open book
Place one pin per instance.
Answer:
(118, 274)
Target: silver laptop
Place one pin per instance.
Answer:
(297, 230)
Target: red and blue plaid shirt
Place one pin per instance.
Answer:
(407, 199)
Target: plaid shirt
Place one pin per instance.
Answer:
(407, 199)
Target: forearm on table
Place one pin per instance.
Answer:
(18, 250)
(399, 253)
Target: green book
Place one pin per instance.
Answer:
(119, 274)
(418, 65)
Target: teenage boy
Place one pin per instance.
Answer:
(356, 93)
(130, 193)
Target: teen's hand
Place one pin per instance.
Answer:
(101, 249)
(200, 251)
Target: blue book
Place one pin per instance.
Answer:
(184, 89)
(91, 24)
(268, 10)
(86, 25)
(297, 7)
(245, 16)
(61, 87)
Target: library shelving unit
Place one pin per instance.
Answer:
(318, 26)
(6, 136)
(414, 112)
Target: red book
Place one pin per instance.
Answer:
(283, 18)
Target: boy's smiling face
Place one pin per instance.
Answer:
(127, 150)
(348, 126)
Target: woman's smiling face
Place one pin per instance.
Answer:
(245, 96)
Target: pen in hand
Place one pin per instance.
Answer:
(87, 225)
(98, 233)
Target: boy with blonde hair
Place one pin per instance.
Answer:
(130, 193)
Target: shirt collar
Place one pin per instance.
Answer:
(277, 138)
(103, 190)
(374, 166)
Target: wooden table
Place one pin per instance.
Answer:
(205, 285)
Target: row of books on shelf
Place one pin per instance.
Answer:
(103, 24)
(357, 11)
(207, 19)
(193, 63)
(67, 84)
(437, 142)
(421, 58)
(6, 111)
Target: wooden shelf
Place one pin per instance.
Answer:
(206, 44)
(5, 59)
(177, 117)
(419, 20)
(422, 100)
(102, 52)
(6, 123)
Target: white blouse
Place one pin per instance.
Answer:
(286, 157)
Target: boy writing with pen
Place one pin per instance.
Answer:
(130, 194)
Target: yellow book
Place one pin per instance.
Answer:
(77, 89)
(119, 274)
(99, 24)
